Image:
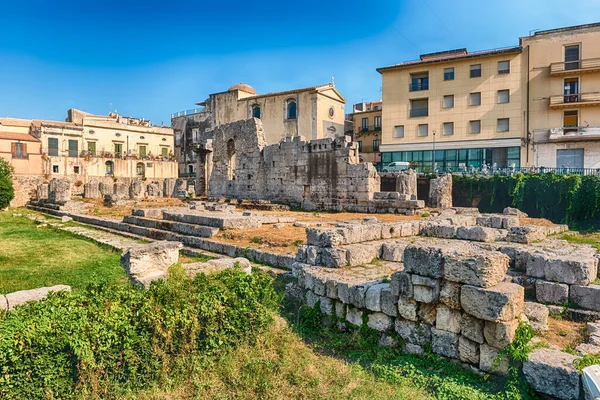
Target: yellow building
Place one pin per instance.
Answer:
(564, 100)
(366, 129)
(314, 112)
(460, 109)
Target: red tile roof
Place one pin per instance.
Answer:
(25, 137)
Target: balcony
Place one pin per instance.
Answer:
(20, 156)
(368, 129)
(579, 66)
(418, 85)
(575, 100)
(419, 112)
(578, 133)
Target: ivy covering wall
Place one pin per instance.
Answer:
(570, 199)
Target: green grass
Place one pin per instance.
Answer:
(583, 238)
(32, 257)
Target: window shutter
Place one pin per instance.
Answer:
(24, 149)
(13, 148)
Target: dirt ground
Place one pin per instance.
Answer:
(535, 221)
(98, 209)
(564, 334)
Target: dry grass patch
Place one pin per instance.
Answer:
(565, 334)
(98, 209)
(267, 237)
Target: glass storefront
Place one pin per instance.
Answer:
(457, 160)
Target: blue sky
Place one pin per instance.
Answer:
(151, 58)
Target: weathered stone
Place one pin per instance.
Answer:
(331, 289)
(121, 190)
(444, 231)
(468, 350)
(59, 190)
(444, 343)
(574, 269)
(551, 372)
(472, 328)
(311, 298)
(514, 211)
(91, 190)
(358, 254)
(153, 189)
(389, 302)
(218, 265)
(528, 284)
(313, 255)
(440, 192)
(526, 234)
(476, 234)
(380, 322)
(537, 315)
(448, 319)
(42, 191)
(66, 218)
(500, 334)
(148, 262)
(450, 294)
(550, 292)
(425, 290)
(393, 251)
(358, 293)
(412, 332)
(14, 299)
(586, 296)
(373, 297)
(354, 316)
(106, 189)
(136, 189)
(475, 267)
(401, 284)
(388, 340)
(502, 302)
(427, 313)
(413, 349)
(340, 310)
(407, 308)
(587, 348)
(488, 357)
(334, 257)
(424, 260)
(326, 305)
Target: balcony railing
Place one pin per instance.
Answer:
(367, 129)
(416, 86)
(574, 133)
(565, 100)
(587, 65)
(183, 113)
(419, 112)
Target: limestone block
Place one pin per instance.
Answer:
(389, 302)
(373, 296)
(444, 231)
(476, 233)
(91, 190)
(551, 372)
(574, 269)
(313, 255)
(319, 286)
(527, 283)
(311, 298)
(502, 302)
(340, 310)
(425, 290)
(407, 308)
(301, 253)
(509, 222)
(450, 294)
(550, 292)
(387, 340)
(514, 211)
(526, 234)
(448, 319)
(413, 349)
(393, 251)
(468, 350)
(42, 191)
(475, 267)
(343, 290)
(326, 305)
(370, 232)
(331, 289)
(444, 343)
(500, 334)
(401, 284)
(147, 262)
(358, 292)
(169, 187)
(106, 189)
(354, 316)
(413, 332)
(358, 254)
(587, 348)
(440, 192)
(537, 315)
(121, 191)
(334, 257)
(380, 322)
(59, 190)
(487, 358)
(14, 299)
(66, 218)
(427, 313)
(347, 235)
(136, 189)
(472, 328)
(586, 296)
(424, 260)
(535, 263)
(153, 190)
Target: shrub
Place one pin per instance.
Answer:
(6, 170)
(7, 192)
(108, 339)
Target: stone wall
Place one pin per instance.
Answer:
(25, 188)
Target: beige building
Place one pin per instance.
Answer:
(22, 151)
(366, 129)
(564, 102)
(314, 112)
(455, 109)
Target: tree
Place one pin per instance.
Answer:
(7, 192)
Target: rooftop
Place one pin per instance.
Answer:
(25, 137)
(566, 29)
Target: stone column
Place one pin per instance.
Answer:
(440, 192)
(406, 183)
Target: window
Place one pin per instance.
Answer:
(291, 109)
(53, 147)
(359, 146)
(190, 169)
(448, 128)
(423, 130)
(448, 74)
(503, 96)
(331, 112)
(19, 150)
(503, 125)
(118, 150)
(571, 90)
(475, 126)
(55, 169)
(572, 57)
(256, 111)
(419, 82)
(503, 67)
(73, 148)
(365, 124)
(165, 151)
(76, 169)
(139, 169)
(571, 158)
(399, 131)
(375, 146)
(570, 121)
(419, 108)
(377, 122)
(448, 101)
(475, 70)
(475, 99)
(142, 151)
(92, 148)
(109, 167)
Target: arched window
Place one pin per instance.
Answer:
(110, 167)
(190, 169)
(256, 111)
(231, 156)
(291, 109)
(140, 169)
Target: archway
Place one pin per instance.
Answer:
(109, 168)
(140, 169)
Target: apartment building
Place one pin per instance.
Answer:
(366, 129)
(454, 109)
(563, 77)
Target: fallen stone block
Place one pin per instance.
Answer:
(586, 296)
(380, 322)
(475, 267)
(587, 348)
(551, 372)
(413, 349)
(550, 292)
(476, 234)
(218, 265)
(502, 302)
(526, 234)
(12, 300)
(537, 315)
(514, 211)
(424, 260)
(147, 262)
(574, 269)
(444, 343)
(487, 360)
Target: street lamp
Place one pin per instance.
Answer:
(433, 155)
